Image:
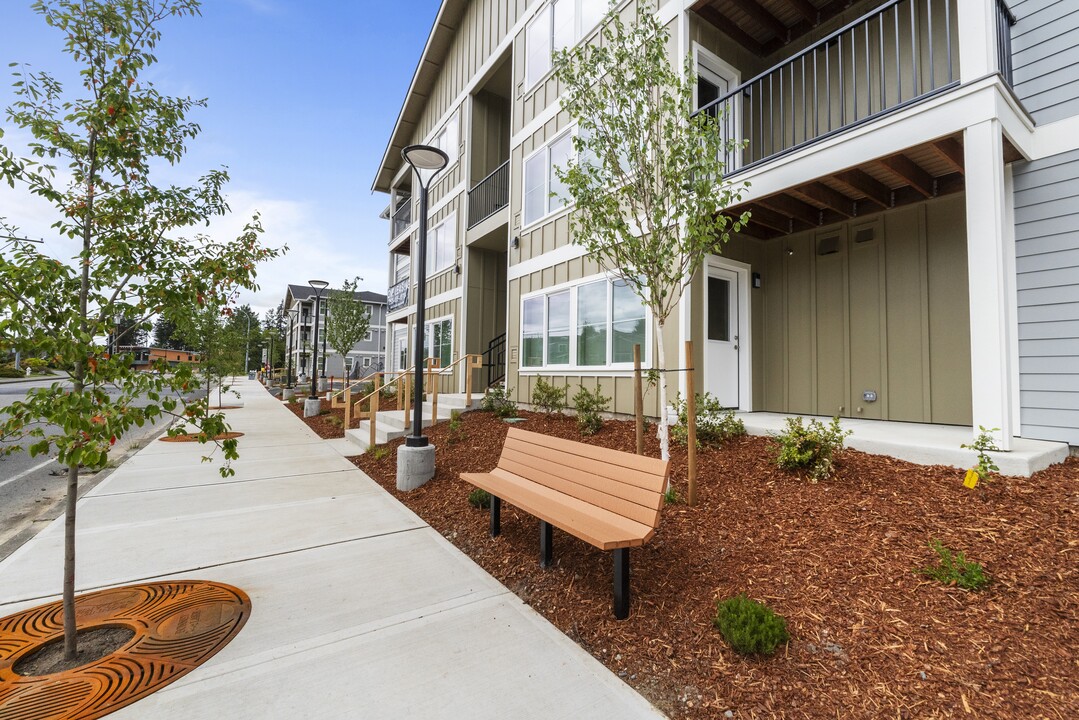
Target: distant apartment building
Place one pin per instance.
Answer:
(365, 357)
(913, 171)
(144, 357)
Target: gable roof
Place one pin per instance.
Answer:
(447, 23)
(306, 292)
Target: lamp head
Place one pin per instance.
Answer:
(426, 160)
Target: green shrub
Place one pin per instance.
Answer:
(455, 431)
(810, 447)
(379, 452)
(548, 398)
(589, 404)
(36, 365)
(670, 496)
(715, 424)
(750, 627)
(984, 443)
(497, 400)
(479, 499)
(388, 391)
(955, 569)
(10, 372)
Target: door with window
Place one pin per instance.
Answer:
(714, 81)
(399, 357)
(721, 373)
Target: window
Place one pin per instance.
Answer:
(438, 340)
(557, 26)
(400, 267)
(367, 362)
(448, 138)
(441, 246)
(540, 179)
(592, 325)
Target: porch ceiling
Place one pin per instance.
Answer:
(933, 169)
(764, 26)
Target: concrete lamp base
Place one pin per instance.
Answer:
(311, 407)
(322, 382)
(415, 466)
(288, 393)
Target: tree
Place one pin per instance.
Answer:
(273, 335)
(245, 322)
(648, 183)
(111, 136)
(165, 334)
(220, 344)
(347, 318)
(129, 331)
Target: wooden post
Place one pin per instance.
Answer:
(638, 398)
(374, 407)
(407, 392)
(435, 382)
(348, 407)
(468, 381)
(691, 425)
(400, 389)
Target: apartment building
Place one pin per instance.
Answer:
(365, 357)
(913, 178)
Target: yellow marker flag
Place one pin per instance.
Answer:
(971, 480)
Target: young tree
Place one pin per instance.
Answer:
(244, 322)
(348, 318)
(165, 334)
(220, 344)
(111, 136)
(648, 183)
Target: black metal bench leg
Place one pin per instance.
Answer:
(546, 537)
(621, 583)
(496, 516)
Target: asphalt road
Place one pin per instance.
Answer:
(31, 488)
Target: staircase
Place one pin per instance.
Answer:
(390, 424)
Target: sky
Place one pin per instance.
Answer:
(303, 96)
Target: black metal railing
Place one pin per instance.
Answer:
(898, 54)
(1005, 20)
(489, 195)
(402, 218)
(494, 359)
(397, 296)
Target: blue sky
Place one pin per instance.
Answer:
(303, 95)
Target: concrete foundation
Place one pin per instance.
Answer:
(311, 407)
(288, 393)
(415, 466)
(322, 384)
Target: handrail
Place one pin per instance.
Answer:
(489, 175)
(489, 195)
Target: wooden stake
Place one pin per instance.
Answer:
(374, 407)
(408, 405)
(468, 381)
(691, 425)
(638, 398)
(348, 407)
(434, 388)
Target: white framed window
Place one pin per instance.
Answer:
(400, 347)
(400, 267)
(367, 362)
(561, 24)
(442, 245)
(438, 340)
(588, 325)
(448, 139)
(543, 194)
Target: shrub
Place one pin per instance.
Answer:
(388, 391)
(497, 400)
(983, 443)
(750, 627)
(10, 372)
(479, 499)
(589, 404)
(455, 431)
(810, 447)
(548, 398)
(955, 569)
(715, 424)
(379, 452)
(670, 496)
(36, 365)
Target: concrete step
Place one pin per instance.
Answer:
(390, 424)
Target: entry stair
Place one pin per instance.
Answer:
(390, 424)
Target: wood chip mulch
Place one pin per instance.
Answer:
(870, 637)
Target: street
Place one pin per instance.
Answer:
(31, 488)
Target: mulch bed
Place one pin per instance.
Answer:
(328, 428)
(870, 637)
(198, 437)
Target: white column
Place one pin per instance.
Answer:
(977, 39)
(988, 237)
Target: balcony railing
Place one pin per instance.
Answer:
(402, 218)
(1005, 20)
(901, 52)
(489, 195)
(397, 296)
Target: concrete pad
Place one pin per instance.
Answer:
(924, 444)
(114, 555)
(282, 451)
(494, 658)
(344, 447)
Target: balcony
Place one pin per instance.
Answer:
(402, 218)
(489, 195)
(899, 54)
(397, 295)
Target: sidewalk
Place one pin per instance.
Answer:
(360, 610)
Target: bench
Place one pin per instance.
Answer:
(607, 498)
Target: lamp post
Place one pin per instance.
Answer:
(311, 406)
(288, 375)
(416, 458)
(325, 334)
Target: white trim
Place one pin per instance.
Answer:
(545, 148)
(1055, 138)
(745, 327)
(545, 116)
(452, 294)
(561, 254)
(715, 65)
(1011, 296)
(450, 223)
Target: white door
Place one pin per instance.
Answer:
(721, 354)
(400, 348)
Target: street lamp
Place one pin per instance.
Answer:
(415, 462)
(311, 406)
(288, 376)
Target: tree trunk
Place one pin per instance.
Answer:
(661, 432)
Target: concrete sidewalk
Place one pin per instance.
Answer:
(360, 610)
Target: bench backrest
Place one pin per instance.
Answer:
(626, 484)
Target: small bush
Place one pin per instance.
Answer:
(378, 452)
(548, 398)
(715, 424)
(810, 447)
(36, 365)
(10, 372)
(479, 499)
(670, 496)
(750, 627)
(388, 391)
(455, 431)
(589, 404)
(983, 444)
(335, 420)
(497, 400)
(955, 569)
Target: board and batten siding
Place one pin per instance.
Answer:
(1045, 57)
(1047, 269)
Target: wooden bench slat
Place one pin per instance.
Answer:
(635, 477)
(603, 529)
(653, 466)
